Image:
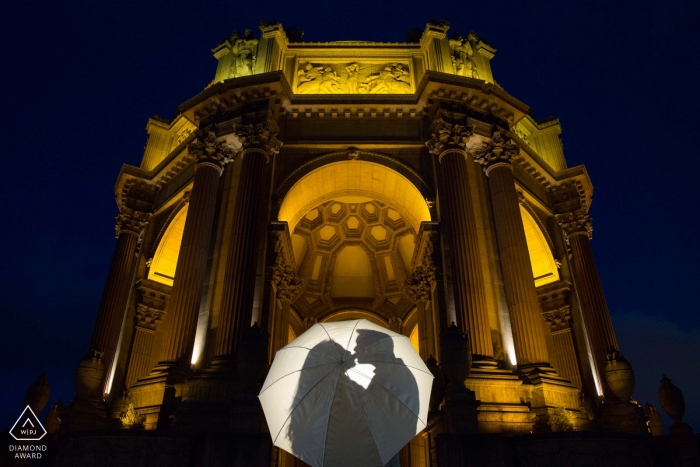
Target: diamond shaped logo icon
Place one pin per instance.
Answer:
(28, 427)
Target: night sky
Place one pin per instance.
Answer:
(82, 78)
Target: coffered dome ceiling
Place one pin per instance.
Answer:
(353, 253)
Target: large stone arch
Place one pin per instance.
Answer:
(357, 178)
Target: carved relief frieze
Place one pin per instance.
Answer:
(353, 78)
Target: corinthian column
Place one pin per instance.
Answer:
(181, 323)
(578, 228)
(519, 283)
(105, 334)
(457, 211)
(258, 143)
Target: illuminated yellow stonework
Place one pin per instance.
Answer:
(396, 182)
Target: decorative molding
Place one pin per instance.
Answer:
(497, 151)
(287, 284)
(558, 319)
(212, 151)
(147, 317)
(130, 221)
(576, 223)
(261, 135)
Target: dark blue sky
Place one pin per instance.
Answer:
(82, 77)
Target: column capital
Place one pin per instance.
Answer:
(259, 137)
(576, 223)
(131, 221)
(147, 317)
(287, 283)
(419, 284)
(498, 151)
(211, 151)
(448, 134)
(558, 319)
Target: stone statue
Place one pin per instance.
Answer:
(393, 79)
(353, 71)
(310, 78)
(462, 54)
(244, 50)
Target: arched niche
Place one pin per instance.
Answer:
(162, 267)
(544, 266)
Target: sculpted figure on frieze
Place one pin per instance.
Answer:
(393, 79)
(310, 78)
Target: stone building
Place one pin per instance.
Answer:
(315, 182)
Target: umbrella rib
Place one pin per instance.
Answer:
(300, 401)
(291, 373)
(364, 412)
(350, 338)
(329, 338)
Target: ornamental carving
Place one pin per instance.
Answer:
(447, 134)
(244, 52)
(419, 284)
(131, 221)
(262, 135)
(147, 317)
(495, 150)
(577, 222)
(558, 319)
(212, 151)
(353, 78)
(287, 283)
(462, 54)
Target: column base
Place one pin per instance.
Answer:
(623, 417)
(219, 401)
(158, 395)
(553, 400)
(460, 411)
(501, 406)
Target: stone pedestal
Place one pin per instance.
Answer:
(623, 417)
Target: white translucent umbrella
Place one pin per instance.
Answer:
(348, 393)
